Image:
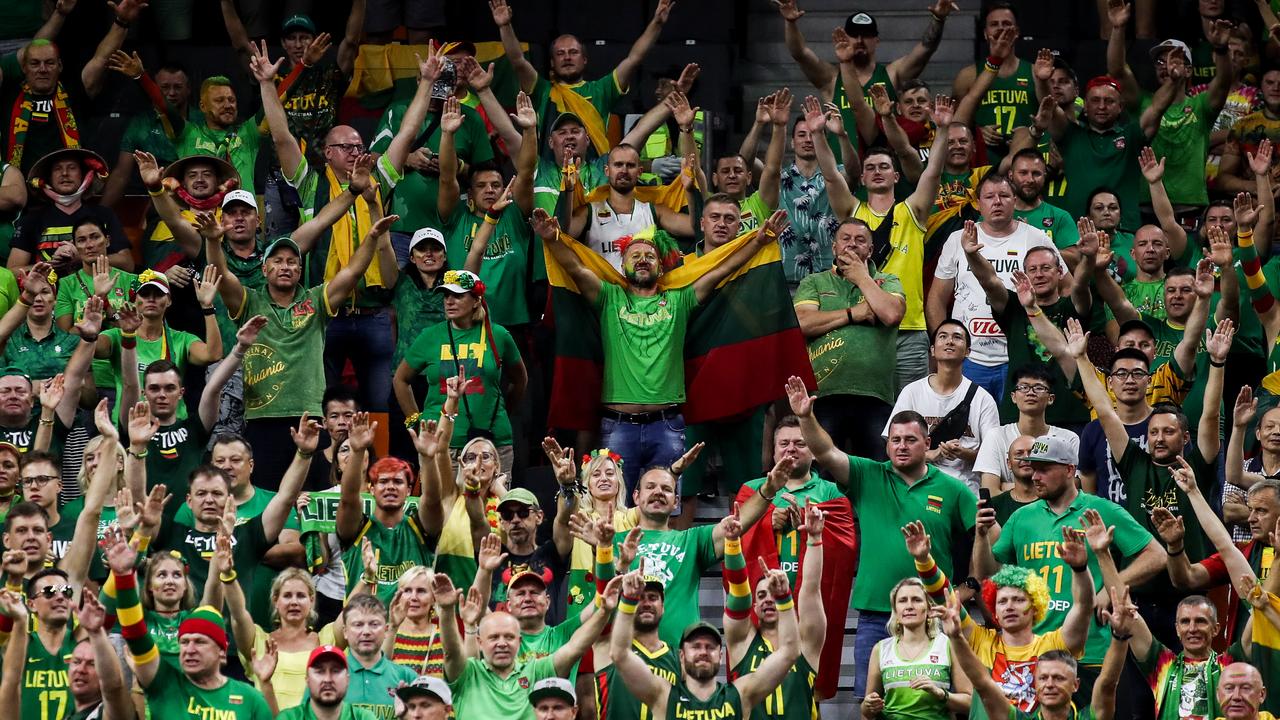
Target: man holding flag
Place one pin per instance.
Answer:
(643, 323)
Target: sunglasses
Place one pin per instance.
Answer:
(48, 591)
(510, 513)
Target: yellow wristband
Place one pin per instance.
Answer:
(228, 577)
(604, 555)
(156, 193)
(140, 542)
(733, 545)
(489, 219)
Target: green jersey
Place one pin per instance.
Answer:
(284, 370)
(1148, 486)
(39, 359)
(793, 699)
(1183, 140)
(1009, 103)
(304, 712)
(441, 350)
(174, 697)
(417, 308)
(1146, 296)
(174, 451)
(75, 289)
(547, 178)
(248, 543)
(479, 694)
(505, 266)
(678, 558)
(25, 437)
(396, 548)
(752, 212)
(838, 369)
(896, 673)
(788, 542)
(1024, 347)
(46, 691)
(723, 704)
(172, 345)
(840, 96)
(614, 700)
(237, 145)
(1030, 539)
(643, 340)
(549, 639)
(1106, 158)
(884, 502)
(1052, 221)
(602, 93)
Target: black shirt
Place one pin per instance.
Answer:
(43, 228)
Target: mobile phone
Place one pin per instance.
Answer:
(984, 494)
(445, 83)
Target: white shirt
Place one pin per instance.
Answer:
(993, 456)
(988, 345)
(984, 417)
(605, 227)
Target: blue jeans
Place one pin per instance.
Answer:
(282, 206)
(400, 244)
(365, 340)
(872, 628)
(659, 442)
(988, 377)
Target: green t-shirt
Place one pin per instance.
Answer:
(546, 181)
(39, 359)
(850, 360)
(396, 548)
(1005, 506)
(284, 370)
(724, 702)
(237, 145)
(753, 212)
(1093, 159)
(1183, 141)
(437, 356)
(678, 558)
(1030, 539)
(1148, 486)
(172, 345)
(304, 712)
(174, 697)
(1054, 222)
(549, 639)
(1146, 296)
(1025, 348)
(414, 199)
(504, 268)
(46, 690)
(25, 437)
(479, 694)
(417, 308)
(176, 450)
(884, 502)
(74, 290)
(145, 132)
(245, 511)
(879, 76)
(615, 701)
(816, 489)
(643, 340)
(602, 93)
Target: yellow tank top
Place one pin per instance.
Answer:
(906, 257)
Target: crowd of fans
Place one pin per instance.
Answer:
(269, 440)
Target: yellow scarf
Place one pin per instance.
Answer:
(566, 100)
(671, 196)
(345, 237)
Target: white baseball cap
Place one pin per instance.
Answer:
(243, 196)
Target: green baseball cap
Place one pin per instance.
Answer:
(519, 495)
(284, 241)
(701, 628)
(293, 23)
(565, 117)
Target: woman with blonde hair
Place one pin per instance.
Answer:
(290, 642)
(912, 673)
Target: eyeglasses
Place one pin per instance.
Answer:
(36, 481)
(472, 457)
(347, 147)
(1126, 374)
(48, 591)
(1031, 389)
(510, 513)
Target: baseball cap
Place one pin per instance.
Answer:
(526, 574)
(861, 24)
(553, 687)
(240, 196)
(298, 22)
(10, 447)
(1052, 449)
(1166, 45)
(565, 117)
(323, 651)
(653, 582)
(1129, 326)
(154, 279)
(461, 281)
(423, 235)
(426, 685)
(701, 628)
(284, 241)
(519, 495)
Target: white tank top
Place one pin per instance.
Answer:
(604, 227)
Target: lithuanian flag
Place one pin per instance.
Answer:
(839, 563)
(1264, 653)
(742, 344)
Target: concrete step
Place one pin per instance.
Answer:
(894, 24)
(776, 52)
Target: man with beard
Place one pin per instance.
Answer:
(977, 264)
(328, 679)
(1043, 523)
(614, 700)
(65, 178)
(885, 496)
(44, 107)
(857, 66)
(519, 516)
(602, 225)
(566, 90)
(217, 132)
(849, 314)
(697, 693)
(1102, 152)
(643, 330)
(1027, 174)
(496, 685)
(1031, 387)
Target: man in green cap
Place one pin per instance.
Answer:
(519, 516)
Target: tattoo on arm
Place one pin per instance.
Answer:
(932, 34)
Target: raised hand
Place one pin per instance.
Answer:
(316, 49)
(104, 281)
(1260, 161)
(764, 109)
(13, 607)
(943, 111)
(681, 111)
(129, 65)
(369, 558)
(773, 227)
(14, 563)
(1249, 588)
(1217, 342)
(684, 461)
(362, 181)
(1220, 247)
(247, 335)
(1118, 12)
(1184, 476)
(814, 117)
(260, 64)
(425, 440)
(1026, 296)
(778, 476)
(526, 117)
(880, 101)
(120, 557)
(52, 390)
(1152, 169)
(780, 113)
(1246, 212)
(362, 431)
(584, 527)
(446, 594)
(36, 280)
(951, 624)
(429, 68)
(1169, 527)
(1077, 339)
(1043, 66)
(1043, 116)
(307, 435)
(128, 514)
(207, 289)
(663, 11)
(630, 547)
(472, 610)
(1098, 534)
(490, 556)
(688, 75)
(919, 545)
(798, 397)
(1072, 549)
(206, 224)
(142, 424)
(969, 238)
(153, 508)
(731, 524)
(544, 225)
(1002, 45)
(843, 45)
(1246, 407)
(501, 12)
(561, 461)
(451, 116)
(127, 10)
(1124, 614)
(264, 663)
(477, 77)
(789, 10)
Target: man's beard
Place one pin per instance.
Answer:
(645, 284)
(703, 674)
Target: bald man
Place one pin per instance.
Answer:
(360, 330)
(1240, 693)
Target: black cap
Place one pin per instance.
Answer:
(1135, 324)
(861, 24)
